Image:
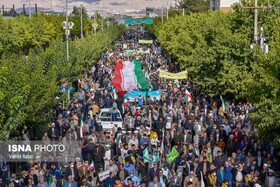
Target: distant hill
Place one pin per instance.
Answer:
(112, 6)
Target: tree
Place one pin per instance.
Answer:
(32, 64)
(26, 93)
(77, 11)
(206, 45)
(10, 12)
(214, 48)
(192, 6)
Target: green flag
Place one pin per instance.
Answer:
(146, 155)
(224, 105)
(129, 52)
(50, 181)
(172, 155)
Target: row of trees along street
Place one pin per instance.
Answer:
(33, 63)
(215, 48)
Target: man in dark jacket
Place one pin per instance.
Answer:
(162, 178)
(219, 160)
(154, 172)
(72, 171)
(53, 133)
(202, 167)
(238, 175)
(98, 154)
(31, 176)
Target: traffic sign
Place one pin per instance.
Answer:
(137, 21)
(108, 23)
(95, 25)
(149, 21)
(128, 21)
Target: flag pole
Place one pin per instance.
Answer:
(162, 147)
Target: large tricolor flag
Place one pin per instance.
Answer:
(224, 105)
(188, 96)
(128, 75)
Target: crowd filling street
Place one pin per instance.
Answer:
(176, 140)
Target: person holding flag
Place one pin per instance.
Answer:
(188, 96)
(224, 106)
(172, 155)
(81, 128)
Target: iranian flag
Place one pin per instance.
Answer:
(224, 105)
(111, 55)
(86, 163)
(79, 165)
(125, 102)
(115, 94)
(91, 167)
(82, 127)
(162, 145)
(128, 75)
(188, 96)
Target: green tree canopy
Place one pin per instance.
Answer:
(33, 62)
(215, 48)
(191, 6)
(77, 11)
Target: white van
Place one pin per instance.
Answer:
(105, 119)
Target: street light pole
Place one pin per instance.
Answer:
(162, 15)
(102, 22)
(95, 23)
(29, 9)
(67, 32)
(81, 14)
(51, 6)
(256, 22)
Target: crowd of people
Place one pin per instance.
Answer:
(215, 145)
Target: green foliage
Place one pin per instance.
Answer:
(77, 11)
(207, 45)
(263, 87)
(20, 34)
(26, 93)
(192, 6)
(215, 48)
(30, 71)
(85, 51)
(10, 12)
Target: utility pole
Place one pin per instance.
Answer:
(81, 14)
(95, 25)
(51, 6)
(29, 9)
(256, 22)
(162, 15)
(167, 12)
(258, 38)
(67, 31)
(102, 23)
